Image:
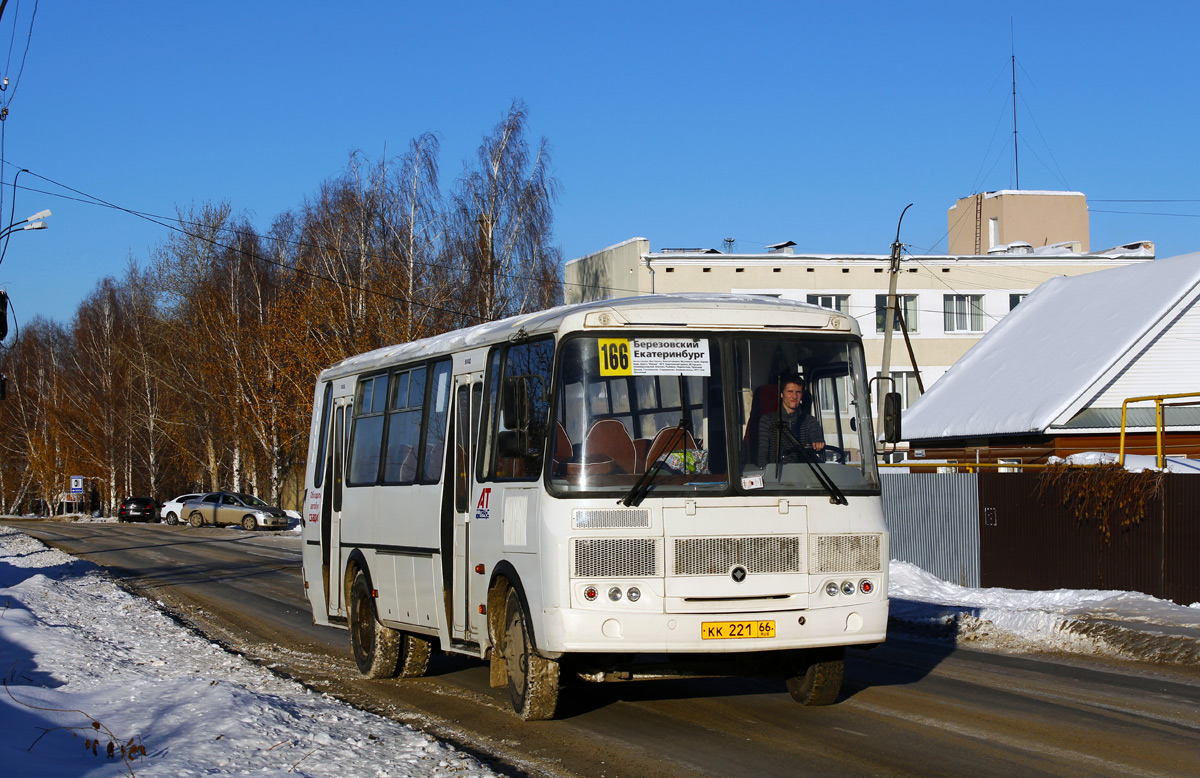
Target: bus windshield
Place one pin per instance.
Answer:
(651, 414)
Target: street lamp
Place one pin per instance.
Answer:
(29, 223)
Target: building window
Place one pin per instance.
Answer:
(906, 385)
(838, 302)
(1014, 299)
(993, 232)
(963, 312)
(906, 306)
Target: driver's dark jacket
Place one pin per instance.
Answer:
(803, 426)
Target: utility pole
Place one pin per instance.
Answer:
(893, 277)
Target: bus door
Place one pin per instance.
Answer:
(468, 395)
(331, 509)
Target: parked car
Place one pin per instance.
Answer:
(219, 508)
(137, 509)
(173, 509)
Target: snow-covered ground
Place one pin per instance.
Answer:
(85, 661)
(86, 664)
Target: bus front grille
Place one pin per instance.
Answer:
(610, 519)
(845, 554)
(717, 556)
(616, 557)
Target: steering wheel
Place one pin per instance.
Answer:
(838, 454)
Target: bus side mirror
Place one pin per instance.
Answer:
(891, 417)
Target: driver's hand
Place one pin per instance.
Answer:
(818, 446)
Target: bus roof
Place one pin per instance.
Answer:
(660, 311)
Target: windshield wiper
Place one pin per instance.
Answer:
(835, 494)
(641, 487)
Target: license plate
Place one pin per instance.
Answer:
(724, 630)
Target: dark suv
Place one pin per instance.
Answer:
(138, 509)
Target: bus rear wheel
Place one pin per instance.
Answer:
(817, 676)
(414, 656)
(532, 680)
(376, 648)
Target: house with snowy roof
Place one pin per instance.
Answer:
(1051, 377)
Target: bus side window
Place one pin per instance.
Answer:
(462, 414)
(487, 428)
(320, 465)
(524, 410)
(434, 435)
(366, 436)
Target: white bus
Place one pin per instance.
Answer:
(583, 491)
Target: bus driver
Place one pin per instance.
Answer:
(804, 428)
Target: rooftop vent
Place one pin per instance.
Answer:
(782, 248)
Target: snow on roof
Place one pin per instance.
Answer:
(1043, 358)
(1039, 192)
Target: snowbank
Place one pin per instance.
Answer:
(1113, 623)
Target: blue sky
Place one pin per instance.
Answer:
(685, 123)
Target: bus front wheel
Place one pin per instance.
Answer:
(532, 680)
(376, 647)
(816, 678)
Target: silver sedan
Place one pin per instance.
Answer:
(219, 508)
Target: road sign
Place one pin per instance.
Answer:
(76, 484)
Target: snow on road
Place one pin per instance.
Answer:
(85, 662)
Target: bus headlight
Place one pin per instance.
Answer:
(831, 588)
(847, 587)
(634, 594)
(614, 594)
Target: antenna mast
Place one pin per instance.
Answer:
(1013, 48)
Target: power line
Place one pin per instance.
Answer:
(1149, 213)
(21, 69)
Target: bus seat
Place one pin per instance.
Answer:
(641, 447)
(766, 400)
(608, 437)
(563, 450)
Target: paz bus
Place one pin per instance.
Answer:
(580, 492)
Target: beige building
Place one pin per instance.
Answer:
(947, 302)
(992, 220)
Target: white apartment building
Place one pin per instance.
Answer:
(947, 301)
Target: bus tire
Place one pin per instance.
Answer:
(817, 679)
(532, 680)
(376, 648)
(414, 656)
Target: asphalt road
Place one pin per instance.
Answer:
(908, 708)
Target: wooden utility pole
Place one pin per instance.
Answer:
(893, 277)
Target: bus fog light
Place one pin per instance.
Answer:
(590, 593)
(865, 586)
(831, 588)
(634, 594)
(847, 587)
(614, 594)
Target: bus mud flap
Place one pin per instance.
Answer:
(497, 596)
